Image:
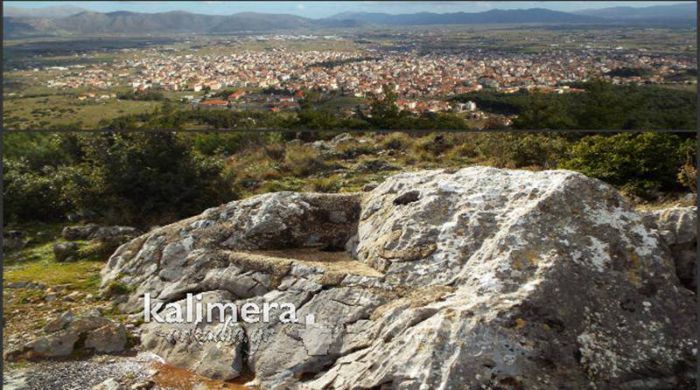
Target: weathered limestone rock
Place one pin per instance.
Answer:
(65, 251)
(202, 249)
(678, 227)
(481, 278)
(215, 347)
(98, 335)
(78, 232)
(108, 338)
(114, 234)
(106, 234)
(13, 239)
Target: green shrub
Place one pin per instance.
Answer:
(642, 164)
(116, 288)
(134, 178)
(95, 250)
(150, 177)
(31, 194)
(520, 150)
(397, 141)
(225, 144)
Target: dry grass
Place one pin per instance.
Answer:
(302, 160)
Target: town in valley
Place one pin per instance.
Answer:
(51, 81)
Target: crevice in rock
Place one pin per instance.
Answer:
(407, 197)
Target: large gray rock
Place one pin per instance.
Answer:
(114, 234)
(78, 232)
(64, 334)
(678, 227)
(107, 234)
(65, 251)
(480, 278)
(13, 239)
(212, 349)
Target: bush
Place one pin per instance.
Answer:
(115, 289)
(135, 178)
(520, 150)
(275, 151)
(149, 177)
(225, 144)
(397, 141)
(687, 176)
(33, 194)
(642, 164)
(465, 147)
(431, 145)
(302, 160)
(250, 168)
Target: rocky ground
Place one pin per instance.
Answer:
(80, 374)
(431, 279)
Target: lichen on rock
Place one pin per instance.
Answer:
(433, 279)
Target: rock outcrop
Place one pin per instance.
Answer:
(107, 234)
(678, 227)
(68, 334)
(481, 278)
(13, 239)
(65, 251)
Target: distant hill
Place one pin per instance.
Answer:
(131, 22)
(44, 12)
(683, 11)
(122, 22)
(250, 21)
(534, 15)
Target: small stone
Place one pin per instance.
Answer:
(59, 323)
(109, 384)
(72, 297)
(78, 232)
(65, 251)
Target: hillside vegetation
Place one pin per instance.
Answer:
(158, 177)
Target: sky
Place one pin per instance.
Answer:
(318, 9)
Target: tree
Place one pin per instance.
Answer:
(383, 109)
(148, 177)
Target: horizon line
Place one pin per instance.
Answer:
(21, 5)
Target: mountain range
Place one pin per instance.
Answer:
(20, 22)
(658, 12)
(44, 12)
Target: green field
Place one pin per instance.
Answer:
(42, 112)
